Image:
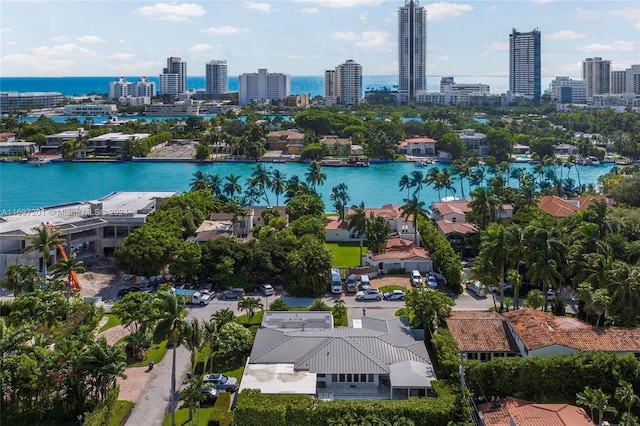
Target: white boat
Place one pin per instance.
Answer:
(593, 161)
(37, 161)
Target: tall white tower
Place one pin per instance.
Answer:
(173, 80)
(524, 64)
(597, 73)
(216, 77)
(412, 50)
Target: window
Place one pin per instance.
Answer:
(342, 378)
(334, 378)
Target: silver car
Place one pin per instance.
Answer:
(371, 294)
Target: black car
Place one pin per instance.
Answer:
(233, 293)
(210, 394)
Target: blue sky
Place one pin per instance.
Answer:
(304, 37)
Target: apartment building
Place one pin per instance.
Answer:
(263, 87)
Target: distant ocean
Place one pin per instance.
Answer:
(313, 85)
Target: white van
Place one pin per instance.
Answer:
(336, 281)
(365, 284)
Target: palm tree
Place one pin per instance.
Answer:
(625, 294)
(314, 175)
(412, 208)
(44, 240)
(434, 178)
(214, 183)
(416, 180)
(277, 184)
(200, 181)
(484, 206)
(169, 311)
(462, 169)
(191, 394)
(250, 304)
(358, 223)
(494, 248)
(339, 310)
(105, 363)
(625, 395)
(18, 276)
(193, 334)
(232, 187)
(340, 199)
(534, 300)
(211, 336)
(378, 233)
(262, 180)
(446, 180)
(68, 268)
(405, 183)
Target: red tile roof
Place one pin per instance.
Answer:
(335, 223)
(560, 207)
(447, 227)
(457, 206)
(538, 329)
(525, 413)
(399, 248)
(388, 211)
(480, 331)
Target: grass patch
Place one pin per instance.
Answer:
(390, 288)
(112, 321)
(155, 353)
(346, 254)
(120, 410)
(201, 417)
(402, 312)
(256, 319)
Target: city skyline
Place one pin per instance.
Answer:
(306, 37)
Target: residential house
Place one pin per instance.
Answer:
(339, 230)
(566, 150)
(400, 254)
(481, 335)
(565, 207)
(422, 146)
(53, 142)
(285, 140)
(11, 147)
(518, 412)
(302, 353)
(336, 145)
(459, 235)
(112, 143)
(475, 142)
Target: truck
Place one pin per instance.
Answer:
(194, 297)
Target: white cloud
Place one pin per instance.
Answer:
(62, 50)
(565, 35)
(499, 46)
(373, 39)
(225, 29)
(443, 10)
(342, 3)
(203, 47)
(344, 35)
(258, 6)
(173, 12)
(310, 10)
(364, 17)
(91, 39)
(120, 57)
(628, 13)
(586, 14)
(616, 46)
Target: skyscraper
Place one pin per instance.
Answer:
(412, 50)
(173, 80)
(344, 84)
(524, 64)
(597, 73)
(263, 87)
(216, 77)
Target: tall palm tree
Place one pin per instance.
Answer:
(314, 174)
(484, 206)
(405, 183)
(44, 240)
(462, 169)
(193, 334)
(19, 277)
(105, 363)
(625, 395)
(411, 209)
(416, 180)
(340, 199)
(214, 183)
(250, 304)
(358, 223)
(494, 248)
(191, 394)
(625, 294)
(211, 336)
(277, 185)
(446, 180)
(200, 180)
(68, 268)
(169, 313)
(232, 186)
(262, 179)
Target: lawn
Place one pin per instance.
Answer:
(346, 254)
(120, 410)
(201, 417)
(155, 353)
(112, 322)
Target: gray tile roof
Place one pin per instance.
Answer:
(367, 350)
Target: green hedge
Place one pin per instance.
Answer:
(254, 408)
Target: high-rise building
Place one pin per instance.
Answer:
(568, 91)
(412, 50)
(263, 87)
(618, 82)
(118, 88)
(216, 77)
(344, 84)
(597, 73)
(143, 87)
(124, 88)
(173, 80)
(633, 80)
(524, 64)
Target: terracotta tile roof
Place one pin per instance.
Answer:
(457, 206)
(538, 329)
(559, 207)
(388, 211)
(480, 331)
(525, 413)
(399, 248)
(335, 223)
(447, 227)
(420, 140)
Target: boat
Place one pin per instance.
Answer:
(592, 161)
(37, 161)
(279, 160)
(420, 163)
(352, 161)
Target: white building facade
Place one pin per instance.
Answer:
(173, 80)
(633, 80)
(597, 73)
(568, 91)
(216, 77)
(412, 50)
(344, 85)
(263, 87)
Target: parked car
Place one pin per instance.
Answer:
(352, 284)
(365, 282)
(496, 289)
(475, 288)
(266, 289)
(210, 394)
(394, 295)
(221, 382)
(432, 281)
(416, 278)
(232, 293)
(371, 294)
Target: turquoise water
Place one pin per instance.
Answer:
(24, 186)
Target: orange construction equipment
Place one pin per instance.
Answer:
(74, 282)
